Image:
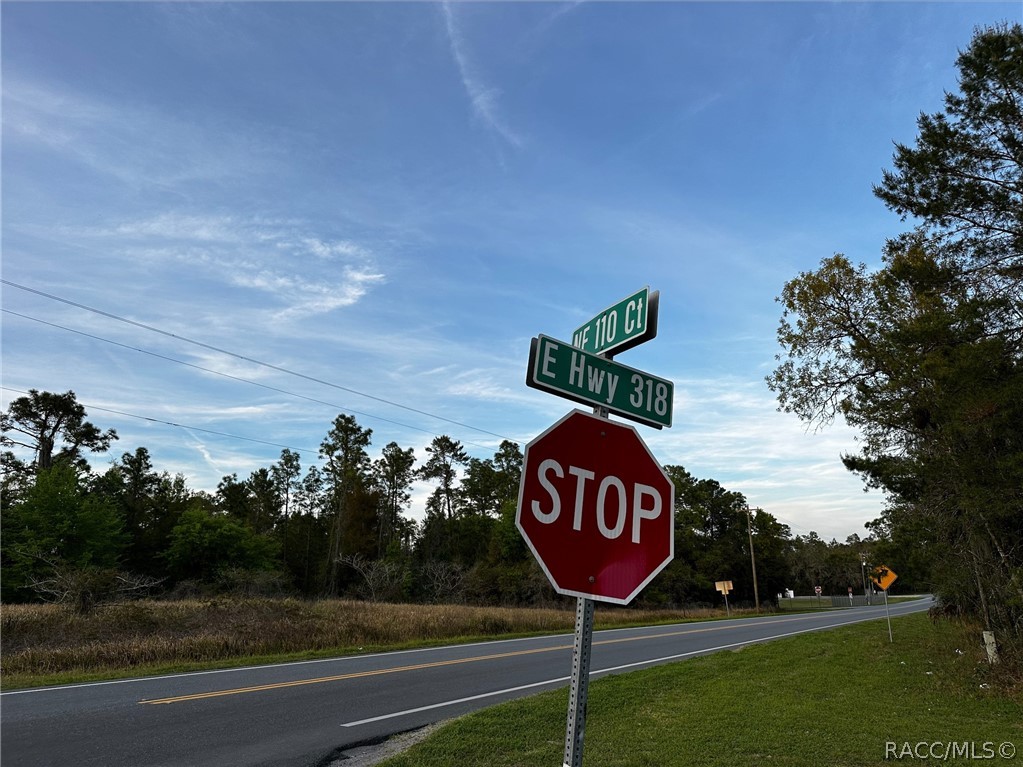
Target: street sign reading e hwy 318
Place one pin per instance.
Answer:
(559, 368)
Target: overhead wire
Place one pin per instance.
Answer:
(180, 425)
(228, 375)
(245, 358)
(251, 360)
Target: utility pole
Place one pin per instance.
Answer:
(752, 557)
(863, 570)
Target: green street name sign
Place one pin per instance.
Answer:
(628, 323)
(563, 369)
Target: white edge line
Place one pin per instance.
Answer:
(454, 702)
(559, 680)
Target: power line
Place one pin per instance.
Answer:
(792, 524)
(227, 375)
(244, 358)
(182, 426)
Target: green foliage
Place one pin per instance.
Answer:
(446, 455)
(964, 177)
(394, 473)
(53, 427)
(712, 539)
(490, 484)
(345, 478)
(925, 355)
(57, 524)
(150, 504)
(305, 539)
(341, 529)
(202, 545)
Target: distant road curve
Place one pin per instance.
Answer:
(296, 714)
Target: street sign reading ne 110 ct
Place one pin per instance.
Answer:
(628, 323)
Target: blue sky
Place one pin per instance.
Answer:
(392, 199)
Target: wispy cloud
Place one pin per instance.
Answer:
(327, 250)
(178, 226)
(306, 298)
(729, 429)
(303, 274)
(482, 96)
(486, 385)
(128, 141)
(559, 11)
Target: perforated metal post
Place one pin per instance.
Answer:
(888, 616)
(580, 682)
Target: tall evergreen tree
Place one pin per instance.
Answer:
(53, 427)
(446, 455)
(150, 503)
(286, 475)
(394, 472)
(345, 478)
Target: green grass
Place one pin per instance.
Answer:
(830, 698)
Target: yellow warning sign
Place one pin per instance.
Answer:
(883, 576)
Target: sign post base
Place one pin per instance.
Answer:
(580, 682)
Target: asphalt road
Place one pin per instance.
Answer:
(300, 714)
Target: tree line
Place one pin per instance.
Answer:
(341, 526)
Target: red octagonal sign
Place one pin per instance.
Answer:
(596, 508)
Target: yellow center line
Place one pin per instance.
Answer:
(340, 677)
(434, 664)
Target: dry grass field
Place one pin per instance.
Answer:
(44, 644)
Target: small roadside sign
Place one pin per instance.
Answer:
(724, 587)
(884, 577)
(559, 368)
(817, 590)
(628, 323)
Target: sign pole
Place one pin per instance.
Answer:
(578, 693)
(596, 566)
(888, 616)
(579, 690)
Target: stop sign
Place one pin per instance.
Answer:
(596, 508)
